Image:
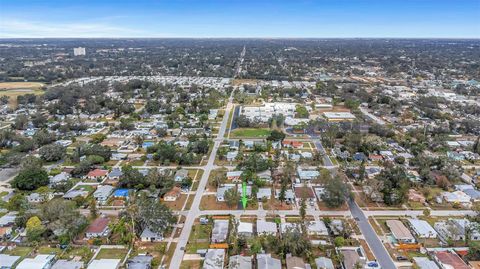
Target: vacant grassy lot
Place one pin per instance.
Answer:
(111, 253)
(14, 93)
(21, 85)
(19, 251)
(251, 132)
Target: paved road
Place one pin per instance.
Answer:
(371, 237)
(318, 144)
(194, 209)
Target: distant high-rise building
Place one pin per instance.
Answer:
(79, 51)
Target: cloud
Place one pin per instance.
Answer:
(14, 28)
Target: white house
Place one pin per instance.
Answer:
(266, 227)
(317, 228)
(422, 229)
(104, 264)
(245, 228)
(102, 193)
(39, 262)
(149, 236)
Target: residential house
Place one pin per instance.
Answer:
(7, 261)
(245, 229)
(8, 219)
(149, 236)
(234, 175)
(173, 194)
(400, 232)
(181, 175)
(447, 260)
(72, 194)
(336, 226)
(240, 262)
(59, 178)
(295, 262)
(266, 227)
(304, 174)
(115, 174)
(97, 174)
(265, 261)
(221, 191)
(456, 229)
(352, 256)
(289, 195)
(422, 228)
(36, 197)
(317, 227)
(102, 193)
(425, 263)
(140, 262)
(104, 264)
(214, 259)
(292, 144)
(64, 264)
(39, 262)
(98, 228)
(265, 175)
(457, 197)
(324, 263)
(219, 231)
(264, 193)
(232, 155)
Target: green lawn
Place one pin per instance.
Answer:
(251, 132)
(49, 250)
(19, 251)
(111, 253)
(199, 238)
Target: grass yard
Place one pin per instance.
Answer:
(49, 250)
(250, 132)
(19, 251)
(191, 264)
(85, 253)
(199, 238)
(111, 253)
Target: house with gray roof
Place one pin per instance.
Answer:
(324, 263)
(214, 259)
(140, 262)
(265, 261)
(64, 264)
(240, 262)
(102, 193)
(219, 231)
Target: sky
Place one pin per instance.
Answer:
(240, 19)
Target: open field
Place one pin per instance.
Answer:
(20, 85)
(237, 82)
(111, 253)
(14, 93)
(250, 132)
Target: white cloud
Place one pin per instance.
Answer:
(14, 28)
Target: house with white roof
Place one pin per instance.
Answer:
(104, 264)
(7, 261)
(422, 229)
(266, 227)
(245, 229)
(457, 197)
(102, 193)
(39, 262)
(317, 227)
(264, 193)
(219, 231)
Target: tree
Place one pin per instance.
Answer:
(43, 137)
(52, 152)
(30, 179)
(282, 194)
(153, 215)
(35, 229)
(276, 135)
(336, 193)
(303, 210)
(294, 242)
(62, 215)
(339, 241)
(473, 251)
(93, 209)
(232, 197)
(395, 186)
(20, 122)
(39, 121)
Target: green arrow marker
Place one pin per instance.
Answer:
(244, 195)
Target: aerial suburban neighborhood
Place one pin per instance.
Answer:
(239, 153)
